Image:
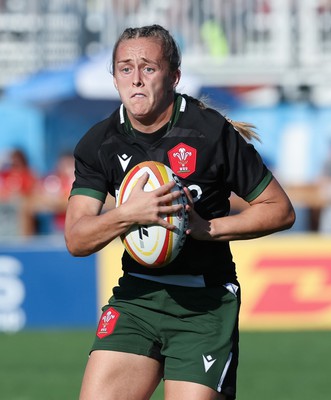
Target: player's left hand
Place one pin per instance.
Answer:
(198, 228)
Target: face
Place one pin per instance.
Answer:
(144, 82)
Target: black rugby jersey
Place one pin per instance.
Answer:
(209, 156)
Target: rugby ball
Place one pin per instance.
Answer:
(153, 245)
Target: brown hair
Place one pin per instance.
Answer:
(245, 129)
(170, 48)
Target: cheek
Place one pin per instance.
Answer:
(162, 86)
(122, 87)
(121, 81)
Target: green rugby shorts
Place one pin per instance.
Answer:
(192, 331)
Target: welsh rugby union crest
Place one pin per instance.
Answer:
(182, 160)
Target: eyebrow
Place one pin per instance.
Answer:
(145, 60)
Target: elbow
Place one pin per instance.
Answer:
(73, 252)
(81, 247)
(289, 218)
(74, 249)
(293, 218)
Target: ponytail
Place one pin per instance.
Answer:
(245, 129)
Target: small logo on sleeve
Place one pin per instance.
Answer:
(107, 322)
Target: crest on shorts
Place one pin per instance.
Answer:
(183, 159)
(107, 322)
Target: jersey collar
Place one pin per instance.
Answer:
(179, 106)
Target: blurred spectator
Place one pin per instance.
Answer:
(323, 6)
(17, 183)
(16, 178)
(48, 204)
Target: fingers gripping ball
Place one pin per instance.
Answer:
(153, 245)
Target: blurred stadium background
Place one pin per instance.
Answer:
(267, 62)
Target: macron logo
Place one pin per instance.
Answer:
(208, 361)
(124, 160)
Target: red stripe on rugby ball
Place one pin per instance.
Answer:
(126, 181)
(165, 253)
(164, 256)
(132, 253)
(162, 245)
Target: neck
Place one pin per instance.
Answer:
(168, 117)
(150, 126)
(152, 123)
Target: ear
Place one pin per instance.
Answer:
(115, 82)
(176, 78)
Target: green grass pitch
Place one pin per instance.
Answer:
(48, 365)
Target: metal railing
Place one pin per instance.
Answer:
(230, 42)
(225, 42)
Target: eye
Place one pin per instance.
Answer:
(126, 70)
(149, 70)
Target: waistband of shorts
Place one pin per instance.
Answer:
(176, 280)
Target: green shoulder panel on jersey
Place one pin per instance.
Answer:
(260, 187)
(90, 193)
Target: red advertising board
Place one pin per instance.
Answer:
(286, 282)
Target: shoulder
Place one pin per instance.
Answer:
(197, 113)
(101, 130)
(97, 135)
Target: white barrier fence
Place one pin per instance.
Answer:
(238, 41)
(226, 42)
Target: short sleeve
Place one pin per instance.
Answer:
(246, 173)
(90, 179)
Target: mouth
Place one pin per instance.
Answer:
(138, 95)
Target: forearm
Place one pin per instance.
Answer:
(270, 212)
(87, 230)
(91, 233)
(256, 221)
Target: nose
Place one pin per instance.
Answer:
(136, 81)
